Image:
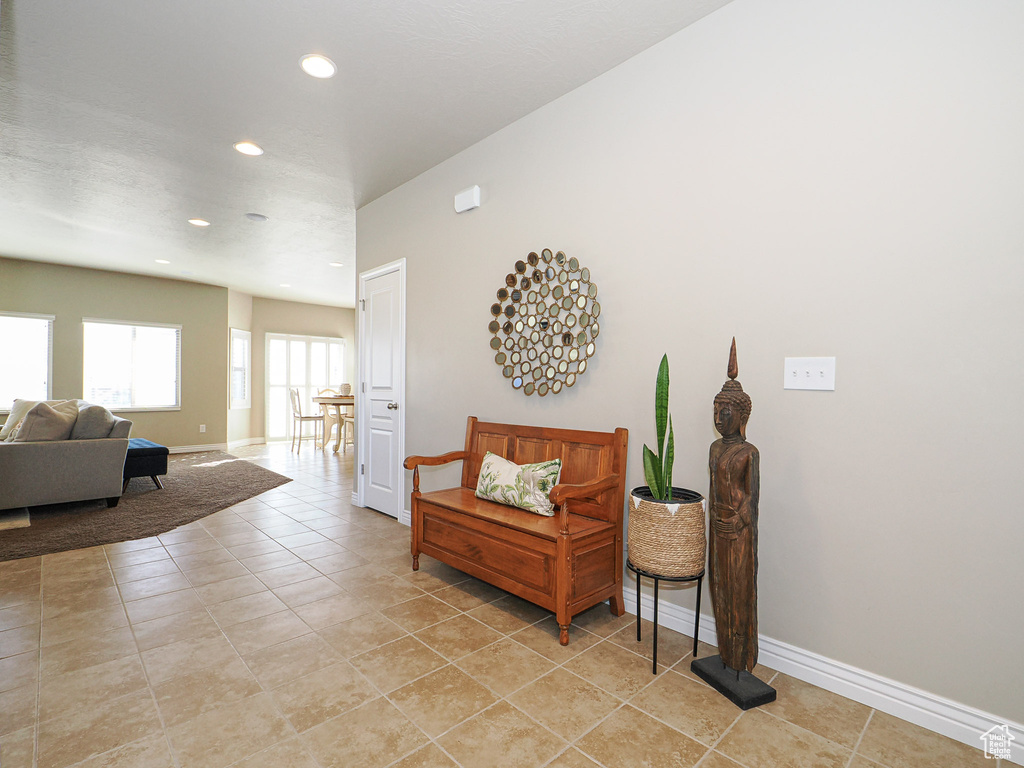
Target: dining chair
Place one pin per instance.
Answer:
(298, 420)
(348, 431)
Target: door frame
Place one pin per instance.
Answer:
(362, 413)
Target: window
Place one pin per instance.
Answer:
(305, 363)
(27, 344)
(241, 365)
(132, 366)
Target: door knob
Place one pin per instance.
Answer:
(392, 406)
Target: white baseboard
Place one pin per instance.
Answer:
(950, 718)
(198, 448)
(245, 441)
(405, 517)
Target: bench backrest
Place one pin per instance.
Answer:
(585, 456)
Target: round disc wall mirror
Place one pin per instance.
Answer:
(544, 323)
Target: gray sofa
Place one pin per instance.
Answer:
(78, 467)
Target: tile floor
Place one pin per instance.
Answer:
(290, 632)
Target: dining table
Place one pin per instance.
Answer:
(331, 406)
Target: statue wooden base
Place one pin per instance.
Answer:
(741, 688)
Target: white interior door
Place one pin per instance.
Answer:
(381, 428)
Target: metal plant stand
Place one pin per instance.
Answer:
(699, 578)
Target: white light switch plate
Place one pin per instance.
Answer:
(810, 373)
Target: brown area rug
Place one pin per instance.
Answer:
(196, 485)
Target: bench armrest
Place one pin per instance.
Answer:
(563, 492)
(414, 463)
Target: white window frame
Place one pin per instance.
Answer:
(306, 391)
(245, 366)
(5, 407)
(177, 372)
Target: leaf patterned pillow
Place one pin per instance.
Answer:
(526, 486)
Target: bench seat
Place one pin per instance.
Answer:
(566, 563)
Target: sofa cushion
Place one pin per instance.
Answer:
(526, 486)
(18, 411)
(94, 421)
(44, 422)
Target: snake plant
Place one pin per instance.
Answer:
(658, 466)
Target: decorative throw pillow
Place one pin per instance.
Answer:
(13, 434)
(94, 421)
(15, 417)
(526, 486)
(43, 422)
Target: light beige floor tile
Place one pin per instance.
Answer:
(695, 709)
(163, 605)
(150, 752)
(19, 670)
(384, 593)
(672, 646)
(602, 622)
(759, 740)
(306, 592)
(332, 610)
(287, 754)
(629, 737)
(319, 549)
(19, 640)
(86, 687)
(565, 703)
(87, 650)
(718, 760)
(284, 662)
(276, 559)
(501, 737)
(374, 735)
(228, 734)
(397, 663)
(326, 693)
(213, 574)
(132, 545)
(187, 548)
(426, 757)
(262, 546)
(136, 556)
(186, 656)
(171, 629)
(245, 608)
(827, 714)
(505, 666)
(364, 633)
(613, 668)
(231, 589)
(17, 709)
(458, 637)
(469, 594)
(542, 637)
(572, 758)
(338, 562)
(191, 694)
(859, 761)
(19, 595)
(419, 613)
(289, 574)
(441, 700)
(157, 585)
(896, 743)
(265, 631)
(18, 749)
(62, 603)
(104, 726)
(142, 571)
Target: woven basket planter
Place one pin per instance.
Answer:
(667, 539)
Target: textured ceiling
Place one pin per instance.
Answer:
(117, 120)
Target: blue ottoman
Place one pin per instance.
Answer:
(145, 459)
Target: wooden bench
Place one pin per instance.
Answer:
(566, 563)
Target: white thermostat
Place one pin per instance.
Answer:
(467, 199)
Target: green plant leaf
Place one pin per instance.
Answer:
(661, 404)
(670, 457)
(652, 472)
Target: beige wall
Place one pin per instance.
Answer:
(70, 294)
(273, 316)
(815, 178)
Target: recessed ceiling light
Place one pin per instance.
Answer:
(255, 217)
(249, 148)
(199, 222)
(317, 66)
(336, 264)
(162, 261)
(286, 285)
